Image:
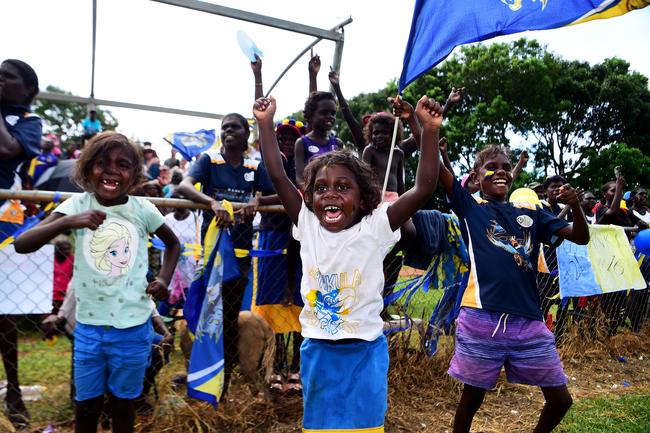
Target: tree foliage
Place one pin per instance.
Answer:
(64, 118)
(571, 116)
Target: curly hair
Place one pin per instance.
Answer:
(364, 176)
(382, 118)
(489, 151)
(100, 145)
(311, 105)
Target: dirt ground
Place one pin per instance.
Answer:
(422, 397)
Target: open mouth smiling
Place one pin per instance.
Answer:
(332, 214)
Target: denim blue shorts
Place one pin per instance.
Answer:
(108, 359)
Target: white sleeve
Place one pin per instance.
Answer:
(380, 225)
(303, 219)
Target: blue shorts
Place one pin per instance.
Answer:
(111, 359)
(345, 385)
(486, 341)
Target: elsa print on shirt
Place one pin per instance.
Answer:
(110, 247)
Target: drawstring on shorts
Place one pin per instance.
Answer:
(503, 316)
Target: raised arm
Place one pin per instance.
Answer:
(429, 113)
(264, 109)
(618, 195)
(445, 156)
(521, 164)
(355, 127)
(54, 225)
(578, 232)
(256, 66)
(404, 111)
(455, 96)
(314, 68)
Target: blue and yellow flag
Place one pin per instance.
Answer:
(439, 26)
(204, 314)
(191, 144)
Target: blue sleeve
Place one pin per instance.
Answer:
(549, 225)
(262, 180)
(28, 131)
(201, 170)
(461, 200)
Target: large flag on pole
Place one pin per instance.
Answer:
(191, 144)
(204, 314)
(439, 26)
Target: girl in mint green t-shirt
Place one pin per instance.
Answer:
(113, 334)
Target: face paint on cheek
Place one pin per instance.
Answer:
(488, 174)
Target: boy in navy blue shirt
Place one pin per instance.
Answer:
(500, 323)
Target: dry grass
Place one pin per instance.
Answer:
(422, 397)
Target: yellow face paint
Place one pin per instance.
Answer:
(489, 173)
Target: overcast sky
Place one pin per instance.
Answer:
(156, 54)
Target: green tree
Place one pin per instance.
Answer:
(635, 166)
(64, 118)
(565, 112)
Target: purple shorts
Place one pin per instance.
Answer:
(487, 341)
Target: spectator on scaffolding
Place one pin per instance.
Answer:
(20, 140)
(91, 125)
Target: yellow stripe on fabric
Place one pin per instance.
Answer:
(281, 318)
(256, 245)
(347, 430)
(214, 386)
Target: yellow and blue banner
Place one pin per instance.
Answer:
(439, 26)
(203, 311)
(191, 144)
(606, 264)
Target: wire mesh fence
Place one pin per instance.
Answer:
(33, 305)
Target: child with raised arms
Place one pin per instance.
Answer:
(345, 234)
(320, 114)
(500, 323)
(114, 334)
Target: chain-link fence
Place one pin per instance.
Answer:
(34, 286)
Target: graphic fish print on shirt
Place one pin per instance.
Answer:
(519, 248)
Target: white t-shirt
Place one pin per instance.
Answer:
(342, 276)
(188, 232)
(645, 218)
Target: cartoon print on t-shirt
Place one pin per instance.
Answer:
(111, 248)
(333, 301)
(519, 248)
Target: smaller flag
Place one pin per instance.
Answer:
(203, 311)
(191, 144)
